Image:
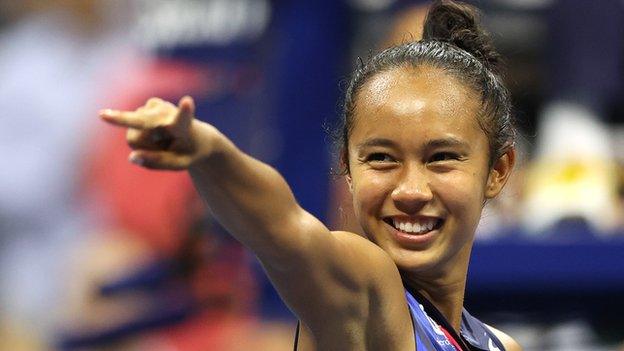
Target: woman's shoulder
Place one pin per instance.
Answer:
(361, 246)
(388, 311)
(369, 259)
(370, 265)
(508, 342)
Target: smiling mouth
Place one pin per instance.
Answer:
(415, 227)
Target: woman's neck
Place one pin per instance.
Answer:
(448, 299)
(444, 290)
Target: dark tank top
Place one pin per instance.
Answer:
(432, 331)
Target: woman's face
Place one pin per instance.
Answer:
(419, 167)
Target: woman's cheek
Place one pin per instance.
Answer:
(370, 192)
(462, 195)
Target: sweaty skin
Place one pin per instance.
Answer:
(417, 151)
(416, 155)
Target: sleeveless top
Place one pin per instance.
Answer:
(430, 327)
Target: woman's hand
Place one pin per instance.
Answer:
(161, 134)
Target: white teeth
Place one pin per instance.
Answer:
(409, 227)
(415, 227)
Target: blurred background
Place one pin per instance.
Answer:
(98, 255)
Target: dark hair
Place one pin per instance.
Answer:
(453, 41)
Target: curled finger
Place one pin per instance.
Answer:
(134, 138)
(163, 160)
(152, 139)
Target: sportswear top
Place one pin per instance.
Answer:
(433, 332)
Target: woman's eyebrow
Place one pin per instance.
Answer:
(435, 143)
(446, 142)
(376, 142)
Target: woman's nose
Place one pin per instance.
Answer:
(412, 192)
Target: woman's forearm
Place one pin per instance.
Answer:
(248, 197)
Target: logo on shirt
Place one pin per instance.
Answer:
(492, 347)
(434, 325)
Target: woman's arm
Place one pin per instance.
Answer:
(326, 278)
(249, 198)
(253, 202)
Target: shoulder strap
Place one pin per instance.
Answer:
(296, 336)
(477, 334)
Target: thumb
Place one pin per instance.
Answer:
(186, 111)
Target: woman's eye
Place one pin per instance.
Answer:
(444, 156)
(379, 157)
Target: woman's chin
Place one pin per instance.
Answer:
(415, 262)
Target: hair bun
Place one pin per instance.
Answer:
(458, 23)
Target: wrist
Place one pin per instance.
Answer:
(209, 142)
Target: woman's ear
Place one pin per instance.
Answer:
(349, 182)
(344, 162)
(500, 172)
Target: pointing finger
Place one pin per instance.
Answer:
(128, 119)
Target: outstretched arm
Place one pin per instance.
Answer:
(315, 271)
(249, 198)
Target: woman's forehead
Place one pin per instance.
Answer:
(406, 88)
(416, 97)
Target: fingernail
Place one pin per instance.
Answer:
(134, 158)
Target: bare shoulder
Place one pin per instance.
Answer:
(389, 325)
(348, 294)
(368, 258)
(509, 343)
(357, 240)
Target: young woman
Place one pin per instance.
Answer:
(427, 140)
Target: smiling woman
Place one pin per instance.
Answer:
(427, 139)
(431, 172)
